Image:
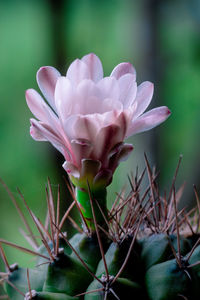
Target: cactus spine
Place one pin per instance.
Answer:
(138, 249)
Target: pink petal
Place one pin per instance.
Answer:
(128, 89)
(41, 130)
(94, 66)
(106, 139)
(109, 88)
(123, 120)
(47, 78)
(81, 127)
(36, 134)
(78, 71)
(71, 169)
(143, 97)
(64, 97)
(121, 154)
(81, 149)
(38, 107)
(149, 120)
(88, 98)
(123, 69)
(103, 178)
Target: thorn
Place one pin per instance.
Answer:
(19, 212)
(90, 292)
(76, 253)
(23, 249)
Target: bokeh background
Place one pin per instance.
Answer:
(160, 38)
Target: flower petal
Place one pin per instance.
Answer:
(143, 97)
(88, 98)
(81, 127)
(38, 107)
(149, 120)
(109, 88)
(123, 69)
(94, 66)
(71, 169)
(81, 149)
(41, 130)
(64, 97)
(78, 70)
(128, 89)
(121, 153)
(106, 139)
(36, 133)
(46, 79)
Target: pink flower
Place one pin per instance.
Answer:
(88, 116)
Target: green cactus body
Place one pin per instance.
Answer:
(115, 257)
(86, 247)
(111, 259)
(52, 296)
(66, 275)
(167, 281)
(122, 288)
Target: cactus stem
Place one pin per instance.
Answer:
(129, 250)
(97, 232)
(192, 250)
(85, 225)
(81, 260)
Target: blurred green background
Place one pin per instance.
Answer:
(160, 38)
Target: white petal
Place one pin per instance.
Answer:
(109, 88)
(143, 97)
(123, 69)
(71, 169)
(78, 71)
(88, 98)
(81, 149)
(64, 97)
(46, 79)
(128, 89)
(36, 134)
(121, 154)
(94, 66)
(106, 139)
(81, 127)
(44, 131)
(38, 107)
(149, 120)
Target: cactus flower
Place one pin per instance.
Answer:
(88, 116)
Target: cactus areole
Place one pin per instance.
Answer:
(87, 117)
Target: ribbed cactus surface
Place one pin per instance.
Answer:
(144, 250)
